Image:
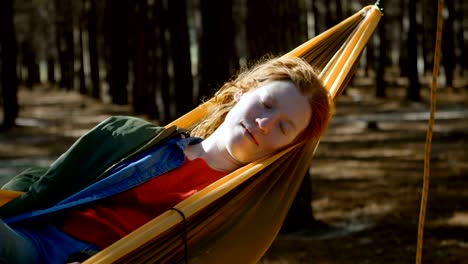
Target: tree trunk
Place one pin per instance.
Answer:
(448, 45)
(339, 12)
(140, 57)
(93, 50)
(8, 51)
(29, 62)
(180, 55)
(275, 28)
(429, 24)
(403, 59)
(382, 59)
(413, 92)
(117, 35)
(218, 58)
(161, 61)
(81, 72)
(462, 42)
(152, 37)
(370, 57)
(51, 70)
(316, 14)
(65, 43)
(334, 13)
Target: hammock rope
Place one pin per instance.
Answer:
(184, 233)
(427, 156)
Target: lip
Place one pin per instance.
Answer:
(250, 134)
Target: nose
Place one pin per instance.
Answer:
(266, 123)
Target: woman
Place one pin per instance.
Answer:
(266, 108)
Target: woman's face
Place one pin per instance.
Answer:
(265, 120)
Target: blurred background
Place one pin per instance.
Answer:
(148, 53)
(67, 65)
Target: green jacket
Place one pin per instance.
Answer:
(118, 138)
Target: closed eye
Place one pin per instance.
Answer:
(285, 128)
(266, 105)
(282, 128)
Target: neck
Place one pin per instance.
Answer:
(216, 157)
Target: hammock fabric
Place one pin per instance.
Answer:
(237, 218)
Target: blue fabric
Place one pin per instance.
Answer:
(42, 244)
(45, 243)
(52, 246)
(14, 248)
(145, 166)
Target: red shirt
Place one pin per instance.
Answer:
(106, 221)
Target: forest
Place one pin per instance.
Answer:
(144, 53)
(161, 58)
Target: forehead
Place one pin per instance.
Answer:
(287, 98)
(276, 88)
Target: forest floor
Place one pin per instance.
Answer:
(366, 174)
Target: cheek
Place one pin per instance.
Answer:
(278, 141)
(271, 144)
(237, 111)
(247, 106)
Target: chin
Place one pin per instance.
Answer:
(247, 160)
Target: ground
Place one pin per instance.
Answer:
(366, 174)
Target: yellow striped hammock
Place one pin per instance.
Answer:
(236, 219)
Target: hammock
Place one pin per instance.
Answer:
(237, 218)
